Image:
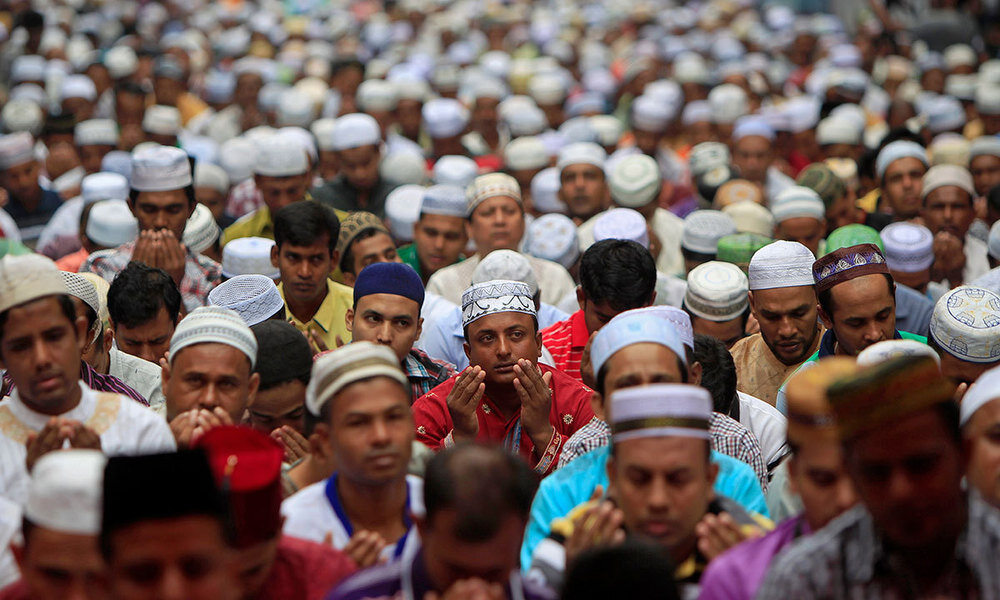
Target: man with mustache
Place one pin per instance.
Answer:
(948, 211)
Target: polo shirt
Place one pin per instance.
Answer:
(328, 321)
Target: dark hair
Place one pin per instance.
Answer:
(138, 292)
(948, 412)
(347, 259)
(482, 484)
(619, 272)
(699, 257)
(342, 64)
(304, 222)
(65, 304)
(826, 296)
(133, 195)
(637, 569)
(129, 87)
(718, 372)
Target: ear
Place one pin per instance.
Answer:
(827, 319)
(164, 376)
(465, 346)
(694, 373)
(334, 260)
(18, 552)
(322, 434)
(597, 405)
(753, 309)
(82, 334)
(713, 472)
(109, 339)
(538, 341)
(274, 256)
(349, 320)
(612, 476)
(420, 327)
(581, 298)
(254, 385)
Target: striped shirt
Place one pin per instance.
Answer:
(98, 382)
(566, 341)
(425, 373)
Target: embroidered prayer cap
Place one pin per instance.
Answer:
(940, 176)
(578, 153)
(96, 132)
(335, 370)
(736, 191)
(214, 325)
(781, 264)
(352, 226)
(716, 291)
(506, 265)
(255, 298)
(161, 120)
(491, 185)
(80, 287)
(284, 353)
(740, 248)
(853, 235)
(64, 493)
(16, 149)
(496, 296)
(810, 416)
(524, 153)
(444, 199)
(354, 131)
(160, 168)
(887, 349)
(111, 224)
(634, 181)
(676, 317)
(622, 224)
(909, 247)
(201, 230)
(987, 145)
(886, 393)
(704, 228)
(455, 170)
(750, 218)
(993, 242)
(28, 277)
(797, 201)
(821, 179)
(444, 117)
(398, 279)
(966, 324)
(660, 410)
(247, 468)
(894, 151)
(103, 186)
(635, 327)
(553, 237)
(848, 263)
(982, 392)
(280, 156)
(247, 256)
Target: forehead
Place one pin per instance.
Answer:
(949, 193)
(906, 436)
(581, 169)
(660, 453)
(158, 325)
(800, 225)
(441, 221)
(211, 357)
(388, 305)
(373, 395)
(496, 202)
(984, 161)
(752, 143)
(500, 322)
(643, 357)
(784, 298)
(361, 154)
(906, 164)
(320, 246)
(862, 290)
(162, 198)
(31, 314)
(373, 243)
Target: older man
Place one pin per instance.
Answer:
(496, 220)
(29, 205)
(948, 211)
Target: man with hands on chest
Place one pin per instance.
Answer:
(504, 396)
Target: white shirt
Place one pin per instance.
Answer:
(976, 262)
(311, 515)
(434, 309)
(10, 531)
(767, 424)
(140, 375)
(667, 226)
(125, 427)
(449, 282)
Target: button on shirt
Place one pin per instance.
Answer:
(566, 341)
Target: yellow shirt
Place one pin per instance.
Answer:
(328, 322)
(256, 224)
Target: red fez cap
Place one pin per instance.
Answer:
(247, 467)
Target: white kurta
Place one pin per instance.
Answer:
(310, 515)
(140, 375)
(124, 425)
(553, 280)
(10, 531)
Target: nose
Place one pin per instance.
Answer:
(659, 496)
(380, 432)
(846, 496)
(172, 585)
(43, 356)
(209, 397)
(383, 334)
(304, 270)
(503, 347)
(874, 333)
(901, 489)
(786, 328)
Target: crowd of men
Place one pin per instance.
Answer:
(449, 300)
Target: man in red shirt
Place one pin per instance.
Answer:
(504, 396)
(615, 276)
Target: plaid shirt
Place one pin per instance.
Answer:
(96, 381)
(425, 373)
(728, 437)
(243, 199)
(201, 274)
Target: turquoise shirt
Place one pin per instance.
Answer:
(572, 485)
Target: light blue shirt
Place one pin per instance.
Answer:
(572, 485)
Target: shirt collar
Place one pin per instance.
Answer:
(326, 314)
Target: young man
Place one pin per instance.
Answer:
(439, 235)
(583, 186)
(504, 396)
(30, 206)
(144, 308)
(363, 240)
(800, 216)
(900, 167)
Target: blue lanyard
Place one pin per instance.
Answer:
(338, 509)
(512, 441)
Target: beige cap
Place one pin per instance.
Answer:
(335, 370)
(28, 277)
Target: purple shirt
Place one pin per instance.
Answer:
(739, 572)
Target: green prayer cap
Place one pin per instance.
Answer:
(852, 235)
(822, 180)
(739, 248)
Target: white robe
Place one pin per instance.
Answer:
(140, 375)
(553, 280)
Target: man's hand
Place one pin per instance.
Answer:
(172, 255)
(50, 438)
(718, 533)
(469, 589)
(587, 374)
(183, 427)
(599, 525)
(463, 400)
(84, 437)
(949, 257)
(294, 445)
(536, 402)
(365, 548)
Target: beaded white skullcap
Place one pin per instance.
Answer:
(908, 247)
(635, 181)
(496, 296)
(704, 228)
(201, 230)
(716, 291)
(553, 237)
(254, 297)
(966, 323)
(214, 325)
(160, 168)
(622, 224)
(444, 199)
(781, 264)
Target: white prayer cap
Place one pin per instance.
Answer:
(940, 176)
(279, 156)
(377, 95)
(454, 169)
(201, 230)
(402, 210)
(211, 176)
(443, 199)
(22, 115)
(649, 113)
(27, 67)
(729, 102)
(634, 327)
(621, 224)
(586, 102)
(944, 113)
(750, 217)
(834, 130)
(908, 247)
(707, 156)
(121, 61)
(696, 112)
(237, 157)
(578, 153)
(886, 350)
(578, 129)
(529, 121)
(609, 129)
(248, 256)
(993, 243)
(690, 67)
(704, 228)
(77, 86)
(752, 126)
(982, 392)
(553, 237)
(525, 153)
(255, 298)
(988, 98)
(961, 86)
(404, 166)
(162, 120)
(65, 492)
(635, 181)
(96, 132)
(294, 108)
(335, 370)
(80, 287)
(506, 265)
(16, 149)
(965, 324)
(545, 192)
(894, 151)
(26, 278)
(444, 117)
(160, 168)
(409, 87)
(798, 201)
(496, 296)
(660, 410)
(117, 161)
(987, 145)
(949, 148)
(716, 291)
(355, 130)
(111, 224)
(781, 264)
(959, 55)
(547, 89)
(103, 186)
(323, 130)
(214, 325)
(491, 185)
